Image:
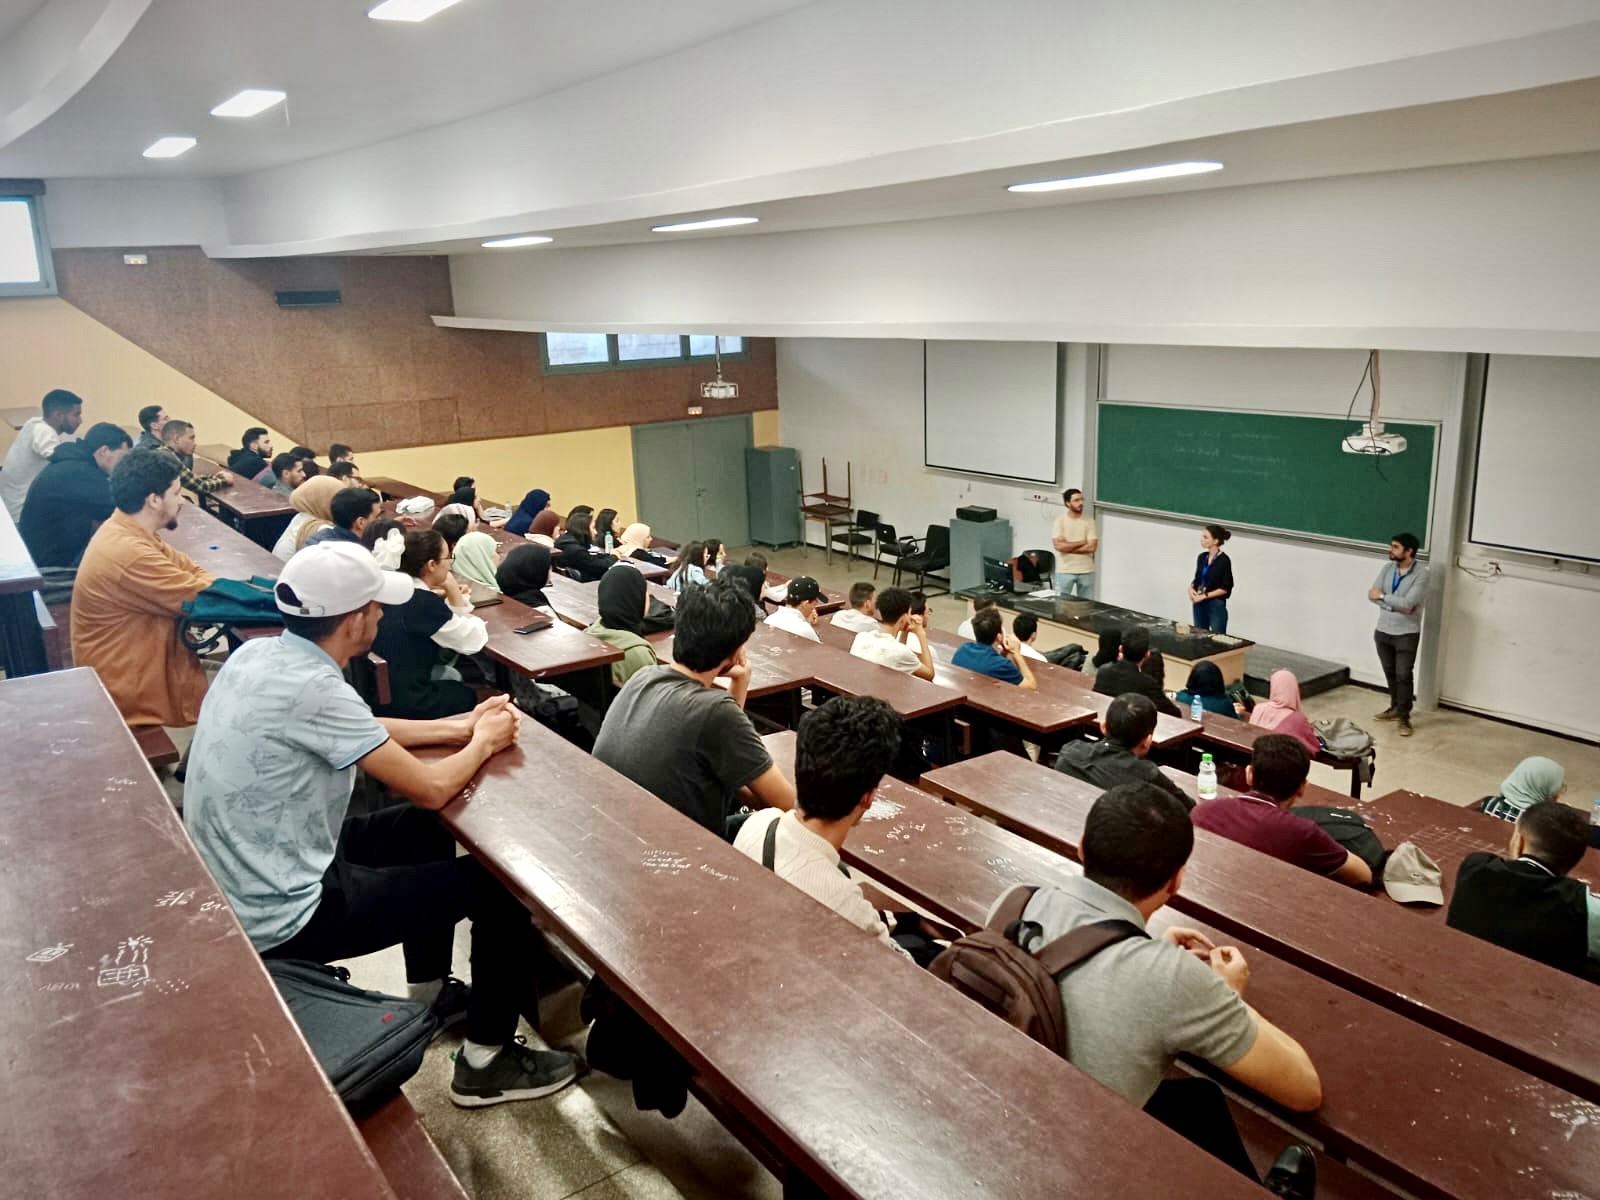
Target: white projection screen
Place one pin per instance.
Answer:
(1537, 487)
(992, 408)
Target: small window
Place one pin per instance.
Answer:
(569, 352)
(705, 346)
(640, 347)
(25, 265)
(573, 349)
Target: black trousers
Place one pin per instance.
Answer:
(394, 878)
(1197, 1110)
(1398, 654)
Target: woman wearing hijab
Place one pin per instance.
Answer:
(1206, 685)
(1535, 779)
(624, 597)
(1281, 712)
(635, 542)
(524, 574)
(534, 503)
(420, 638)
(312, 502)
(575, 552)
(545, 529)
(1110, 647)
(464, 511)
(475, 560)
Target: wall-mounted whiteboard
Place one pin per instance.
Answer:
(992, 408)
(1537, 488)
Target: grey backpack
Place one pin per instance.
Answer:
(1343, 738)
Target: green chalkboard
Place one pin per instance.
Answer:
(1277, 472)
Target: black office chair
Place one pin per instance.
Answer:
(934, 556)
(860, 532)
(1033, 566)
(893, 547)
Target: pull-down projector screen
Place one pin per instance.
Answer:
(992, 408)
(1538, 487)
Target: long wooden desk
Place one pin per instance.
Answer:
(257, 512)
(21, 634)
(892, 1085)
(149, 1053)
(558, 649)
(578, 604)
(1409, 1125)
(1510, 1007)
(219, 548)
(1230, 739)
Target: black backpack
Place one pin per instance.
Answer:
(367, 1043)
(1351, 831)
(1018, 986)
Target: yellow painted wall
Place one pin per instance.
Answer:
(47, 343)
(765, 428)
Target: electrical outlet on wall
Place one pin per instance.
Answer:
(1042, 497)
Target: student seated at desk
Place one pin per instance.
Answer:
(994, 653)
(130, 588)
(1110, 646)
(1129, 727)
(575, 550)
(842, 752)
(1525, 901)
(798, 614)
(1261, 818)
(266, 802)
(1535, 780)
(312, 502)
(889, 644)
(1206, 685)
(1025, 628)
(60, 414)
(544, 530)
(689, 567)
(1123, 676)
(534, 503)
(253, 459)
(716, 557)
(624, 600)
(1139, 1003)
(451, 526)
(345, 472)
(351, 511)
(603, 530)
(860, 614)
(386, 549)
(754, 582)
(421, 636)
(178, 437)
(72, 495)
(475, 561)
(289, 472)
(980, 604)
(1281, 712)
(524, 574)
(151, 418)
(676, 734)
(339, 452)
(635, 543)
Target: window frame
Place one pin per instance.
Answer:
(614, 363)
(46, 286)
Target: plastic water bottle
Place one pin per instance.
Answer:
(1197, 711)
(1208, 778)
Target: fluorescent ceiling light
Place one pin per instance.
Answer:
(1136, 175)
(511, 243)
(409, 10)
(709, 223)
(249, 102)
(168, 147)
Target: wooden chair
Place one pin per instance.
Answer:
(825, 507)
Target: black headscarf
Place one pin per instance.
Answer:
(1205, 679)
(524, 573)
(1110, 646)
(622, 592)
(534, 503)
(752, 579)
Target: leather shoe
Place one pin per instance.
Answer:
(1405, 727)
(1387, 714)
(1294, 1173)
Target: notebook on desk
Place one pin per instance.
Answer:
(480, 595)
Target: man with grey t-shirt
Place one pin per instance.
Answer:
(1399, 592)
(1138, 1004)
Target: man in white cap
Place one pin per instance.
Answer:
(266, 798)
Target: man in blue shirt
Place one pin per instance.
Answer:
(266, 796)
(994, 652)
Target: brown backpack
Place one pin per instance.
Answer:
(1017, 986)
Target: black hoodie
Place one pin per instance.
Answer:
(69, 498)
(247, 463)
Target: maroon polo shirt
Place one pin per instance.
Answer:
(1257, 822)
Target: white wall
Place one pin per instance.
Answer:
(132, 212)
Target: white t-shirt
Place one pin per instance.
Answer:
(1029, 652)
(855, 620)
(285, 546)
(886, 650)
(792, 620)
(1075, 529)
(810, 862)
(35, 443)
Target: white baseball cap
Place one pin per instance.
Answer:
(334, 578)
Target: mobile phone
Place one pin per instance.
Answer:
(527, 628)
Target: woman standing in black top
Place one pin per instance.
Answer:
(1213, 581)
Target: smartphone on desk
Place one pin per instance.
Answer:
(527, 628)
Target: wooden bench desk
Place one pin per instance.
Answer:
(830, 602)
(892, 1085)
(578, 604)
(398, 489)
(149, 1052)
(219, 548)
(21, 635)
(411, 1162)
(1517, 1010)
(1231, 739)
(257, 512)
(559, 649)
(1315, 794)
(1411, 1126)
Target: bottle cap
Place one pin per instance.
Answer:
(1205, 758)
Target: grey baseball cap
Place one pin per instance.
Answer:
(1411, 877)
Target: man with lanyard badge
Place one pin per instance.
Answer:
(1399, 592)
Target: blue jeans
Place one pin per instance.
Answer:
(1212, 615)
(1070, 586)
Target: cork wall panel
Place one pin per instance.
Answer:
(374, 371)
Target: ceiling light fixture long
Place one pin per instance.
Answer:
(169, 147)
(1106, 179)
(249, 103)
(511, 243)
(409, 10)
(708, 223)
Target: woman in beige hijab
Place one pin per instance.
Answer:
(312, 511)
(635, 543)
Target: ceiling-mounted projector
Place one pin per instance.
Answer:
(1373, 440)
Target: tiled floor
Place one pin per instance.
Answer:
(589, 1142)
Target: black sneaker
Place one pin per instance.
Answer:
(450, 1005)
(1293, 1174)
(518, 1072)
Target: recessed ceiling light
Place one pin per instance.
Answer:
(709, 223)
(168, 147)
(1136, 175)
(249, 102)
(511, 243)
(409, 10)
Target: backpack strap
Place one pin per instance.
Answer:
(769, 846)
(1009, 911)
(1084, 943)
